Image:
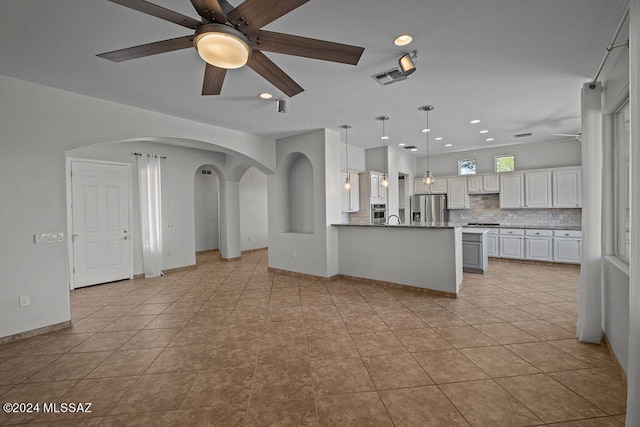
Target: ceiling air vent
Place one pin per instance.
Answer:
(390, 76)
(522, 135)
(409, 147)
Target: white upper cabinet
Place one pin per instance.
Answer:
(439, 186)
(457, 197)
(538, 189)
(479, 184)
(351, 197)
(419, 187)
(567, 188)
(375, 186)
(511, 191)
(474, 184)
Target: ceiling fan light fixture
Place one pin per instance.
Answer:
(222, 46)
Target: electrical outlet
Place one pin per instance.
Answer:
(24, 301)
(560, 216)
(295, 254)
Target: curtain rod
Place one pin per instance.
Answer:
(611, 46)
(141, 154)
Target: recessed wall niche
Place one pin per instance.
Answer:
(295, 194)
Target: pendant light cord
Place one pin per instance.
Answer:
(428, 132)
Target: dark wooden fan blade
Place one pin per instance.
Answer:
(274, 74)
(159, 12)
(148, 49)
(213, 79)
(255, 14)
(309, 48)
(210, 9)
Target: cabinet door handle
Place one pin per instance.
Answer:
(537, 234)
(566, 234)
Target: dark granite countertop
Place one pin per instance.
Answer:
(528, 227)
(436, 225)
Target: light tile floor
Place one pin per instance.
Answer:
(230, 343)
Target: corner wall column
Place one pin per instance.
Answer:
(633, 367)
(589, 327)
(230, 219)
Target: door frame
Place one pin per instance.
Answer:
(69, 195)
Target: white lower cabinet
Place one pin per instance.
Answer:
(566, 246)
(538, 245)
(493, 243)
(512, 243)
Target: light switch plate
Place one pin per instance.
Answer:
(41, 238)
(24, 300)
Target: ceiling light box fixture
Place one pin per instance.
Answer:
(407, 64)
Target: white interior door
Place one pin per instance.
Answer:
(100, 217)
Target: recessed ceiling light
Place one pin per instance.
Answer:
(484, 131)
(414, 149)
(384, 137)
(403, 40)
(439, 138)
(402, 144)
(425, 130)
(474, 121)
(489, 139)
(266, 95)
(448, 145)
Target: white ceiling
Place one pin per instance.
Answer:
(517, 65)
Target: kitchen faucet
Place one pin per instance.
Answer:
(397, 217)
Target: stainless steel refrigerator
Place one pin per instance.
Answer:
(429, 208)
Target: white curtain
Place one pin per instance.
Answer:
(150, 214)
(589, 327)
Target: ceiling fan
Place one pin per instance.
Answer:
(227, 38)
(576, 136)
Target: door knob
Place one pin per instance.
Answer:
(125, 237)
(124, 231)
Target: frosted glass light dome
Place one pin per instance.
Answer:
(222, 46)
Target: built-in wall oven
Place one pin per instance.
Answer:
(378, 214)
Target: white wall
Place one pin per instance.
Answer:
(205, 194)
(37, 125)
(316, 253)
(398, 161)
(527, 156)
(356, 159)
(253, 210)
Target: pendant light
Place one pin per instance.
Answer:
(428, 178)
(385, 181)
(347, 182)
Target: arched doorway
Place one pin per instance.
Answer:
(206, 196)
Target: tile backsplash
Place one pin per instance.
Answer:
(486, 208)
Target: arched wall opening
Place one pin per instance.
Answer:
(295, 195)
(206, 197)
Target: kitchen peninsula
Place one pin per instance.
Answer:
(422, 255)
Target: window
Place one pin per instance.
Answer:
(467, 167)
(622, 147)
(506, 163)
